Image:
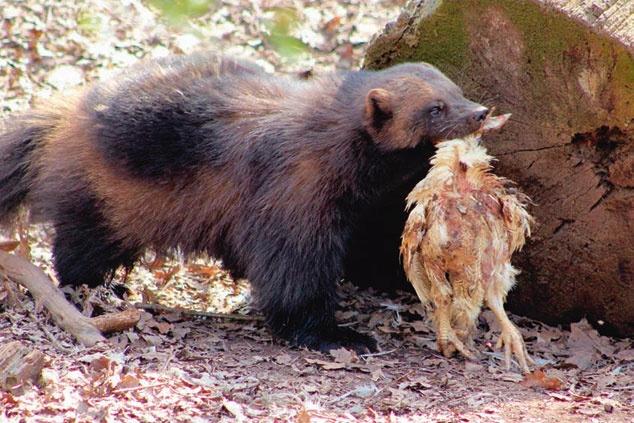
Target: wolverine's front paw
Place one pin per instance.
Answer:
(336, 338)
(348, 339)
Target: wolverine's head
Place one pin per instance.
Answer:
(414, 103)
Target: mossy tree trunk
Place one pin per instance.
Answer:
(566, 71)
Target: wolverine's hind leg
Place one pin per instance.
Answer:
(86, 250)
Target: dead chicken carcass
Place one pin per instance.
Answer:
(465, 224)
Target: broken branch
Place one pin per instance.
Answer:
(116, 322)
(44, 292)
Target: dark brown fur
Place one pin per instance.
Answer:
(211, 155)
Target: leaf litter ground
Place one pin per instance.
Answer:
(175, 368)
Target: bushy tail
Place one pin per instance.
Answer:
(18, 143)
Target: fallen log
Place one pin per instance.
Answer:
(565, 69)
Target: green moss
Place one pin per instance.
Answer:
(547, 34)
(553, 40)
(623, 84)
(443, 39)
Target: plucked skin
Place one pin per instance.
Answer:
(208, 154)
(465, 224)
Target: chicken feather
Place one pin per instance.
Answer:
(465, 223)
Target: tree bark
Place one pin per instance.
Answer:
(565, 69)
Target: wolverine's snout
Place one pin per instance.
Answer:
(480, 115)
(476, 117)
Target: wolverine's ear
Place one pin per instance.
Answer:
(378, 108)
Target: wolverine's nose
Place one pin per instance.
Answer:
(480, 115)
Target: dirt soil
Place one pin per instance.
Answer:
(172, 367)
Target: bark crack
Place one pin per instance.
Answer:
(525, 150)
(608, 191)
(562, 224)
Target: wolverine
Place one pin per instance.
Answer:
(205, 154)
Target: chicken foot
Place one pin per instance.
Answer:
(510, 337)
(446, 338)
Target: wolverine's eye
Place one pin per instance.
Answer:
(436, 111)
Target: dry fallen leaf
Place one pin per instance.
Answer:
(283, 359)
(303, 416)
(128, 381)
(538, 379)
(625, 355)
(585, 345)
(101, 362)
(471, 367)
(9, 246)
(331, 26)
(326, 365)
(157, 263)
(344, 356)
(234, 408)
(420, 326)
(202, 270)
(164, 327)
(377, 374)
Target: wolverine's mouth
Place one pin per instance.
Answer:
(490, 123)
(458, 131)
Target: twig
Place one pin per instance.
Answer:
(377, 354)
(138, 388)
(623, 388)
(230, 316)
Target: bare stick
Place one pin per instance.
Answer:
(229, 316)
(623, 388)
(364, 356)
(39, 285)
(138, 388)
(117, 322)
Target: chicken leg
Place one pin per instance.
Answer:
(510, 338)
(446, 338)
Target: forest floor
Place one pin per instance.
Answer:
(171, 367)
